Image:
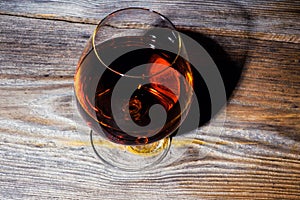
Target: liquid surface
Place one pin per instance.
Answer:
(160, 79)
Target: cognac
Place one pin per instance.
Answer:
(167, 78)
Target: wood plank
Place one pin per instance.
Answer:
(266, 20)
(42, 155)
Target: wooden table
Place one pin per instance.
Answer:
(257, 156)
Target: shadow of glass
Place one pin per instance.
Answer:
(230, 54)
(230, 70)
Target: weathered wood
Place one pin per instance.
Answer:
(267, 20)
(42, 155)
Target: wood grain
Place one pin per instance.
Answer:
(269, 20)
(43, 155)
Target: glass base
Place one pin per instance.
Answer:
(129, 158)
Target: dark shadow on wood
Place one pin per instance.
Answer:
(229, 63)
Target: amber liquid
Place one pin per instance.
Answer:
(94, 85)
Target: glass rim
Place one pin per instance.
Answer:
(135, 8)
